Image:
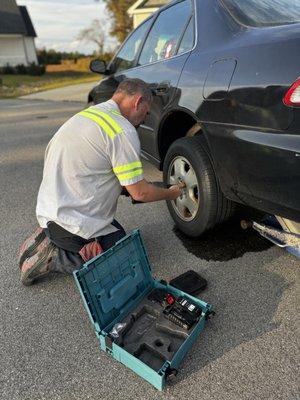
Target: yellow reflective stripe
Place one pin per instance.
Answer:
(119, 175)
(133, 174)
(116, 112)
(101, 116)
(115, 126)
(127, 167)
(99, 121)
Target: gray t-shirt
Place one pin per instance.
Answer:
(86, 162)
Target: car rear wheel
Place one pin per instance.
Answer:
(202, 204)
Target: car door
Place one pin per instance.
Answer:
(160, 63)
(158, 60)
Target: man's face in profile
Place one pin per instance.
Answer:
(141, 112)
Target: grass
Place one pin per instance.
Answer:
(20, 85)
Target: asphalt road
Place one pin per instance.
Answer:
(249, 350)
(67, 93)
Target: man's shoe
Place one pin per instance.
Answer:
(29, 247)
(38, 264)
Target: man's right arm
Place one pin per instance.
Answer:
(145, 192)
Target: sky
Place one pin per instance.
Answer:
(58, 22)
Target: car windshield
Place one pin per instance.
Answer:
(260, 13)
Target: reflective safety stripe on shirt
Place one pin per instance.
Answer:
(116, 112)
(128, 171)
(104, 120)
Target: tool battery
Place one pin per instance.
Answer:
(183, 313)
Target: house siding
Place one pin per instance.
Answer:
(16, 49)
(30, 49)
(139, 18)
(141, 10)
(16, 35)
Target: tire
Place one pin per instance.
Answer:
(90, 101)
(202, 205)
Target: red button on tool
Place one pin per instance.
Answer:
(170, 299)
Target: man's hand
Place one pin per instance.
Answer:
(146, 192)
(175, 192)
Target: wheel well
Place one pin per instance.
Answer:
(177, 125)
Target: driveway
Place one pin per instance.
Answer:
(67, 93)
(249, 350)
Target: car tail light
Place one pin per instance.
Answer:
(292, 96)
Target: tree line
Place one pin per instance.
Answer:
(51, 56)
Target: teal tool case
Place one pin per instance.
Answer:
(114, 287)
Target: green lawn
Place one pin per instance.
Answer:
(19, 85)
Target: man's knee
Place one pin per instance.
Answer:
(111, 239)
(66, 262)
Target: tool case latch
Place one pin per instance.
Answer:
(163, 282)
(171, 373)
(108, 343)
(208, 314)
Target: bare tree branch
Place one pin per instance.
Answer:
(95, 33)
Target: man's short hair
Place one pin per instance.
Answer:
(135, 86)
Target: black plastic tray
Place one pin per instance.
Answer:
(190, 282)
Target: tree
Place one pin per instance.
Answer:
(96, 33)
(50, 56)
(122, 23)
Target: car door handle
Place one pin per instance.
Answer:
(161, 88)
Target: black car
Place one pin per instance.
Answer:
(225, 117)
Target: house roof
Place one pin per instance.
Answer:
(14, 19)
(141, 5)
(11, 20)
(30, 31)
(152, 3)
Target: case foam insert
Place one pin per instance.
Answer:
(150, 336)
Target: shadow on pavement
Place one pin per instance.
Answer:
(245, 298)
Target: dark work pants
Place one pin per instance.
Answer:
(65, 261)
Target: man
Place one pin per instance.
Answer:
(87, 162)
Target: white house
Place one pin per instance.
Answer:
(141, 9)
(16, 35)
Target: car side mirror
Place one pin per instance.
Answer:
(98, 66)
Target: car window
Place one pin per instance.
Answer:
(260, 13)
(126, 56)
(163, 39)
(187, 42)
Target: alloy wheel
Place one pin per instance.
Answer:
(186, 206)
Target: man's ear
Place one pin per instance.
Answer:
(138, 101)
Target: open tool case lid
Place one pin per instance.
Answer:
(112, 283)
